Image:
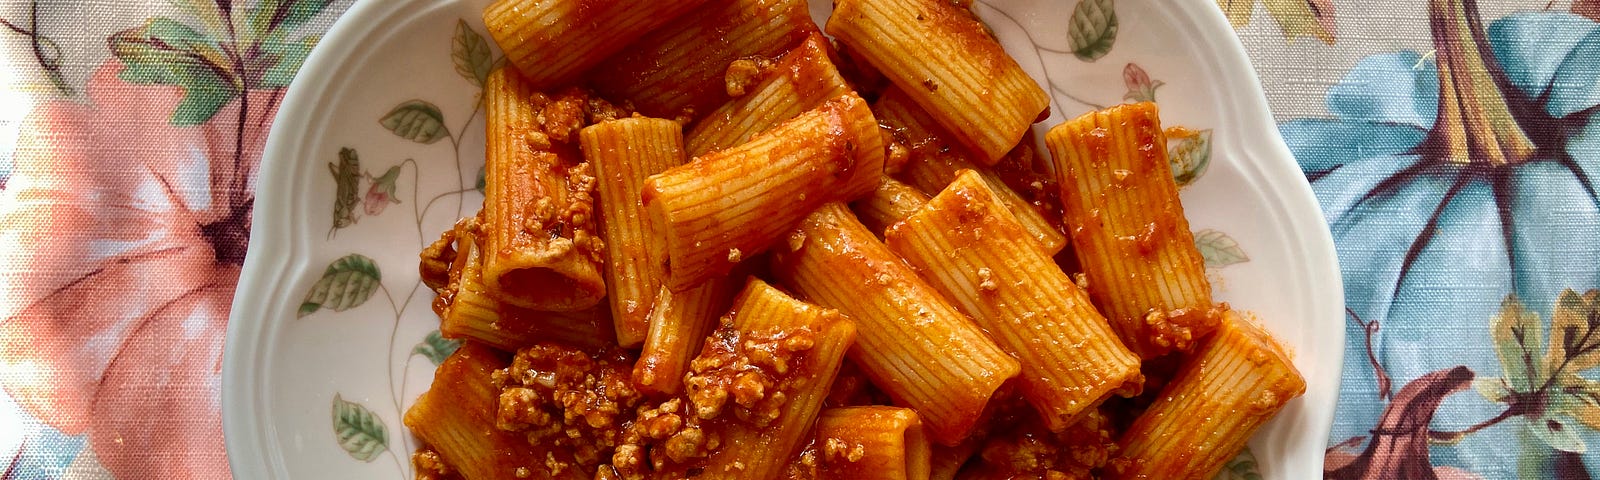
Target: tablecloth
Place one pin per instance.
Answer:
(1448, 142)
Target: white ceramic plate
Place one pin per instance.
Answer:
(330, 335)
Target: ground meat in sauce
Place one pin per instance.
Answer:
(804, 466)
(440, 267)
(751, 370)
(436, 259)
(558, 117)
(600, 110)
(586, 403)
(744, 73)
(898, 153)
(747, 374)
(429, 466)
(1028, 450)
(561, 115)
(565, 397)
(580, 184)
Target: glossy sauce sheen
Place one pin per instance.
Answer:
(681, 66)
(1128, 229)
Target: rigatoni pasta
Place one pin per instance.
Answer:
(816, 337)
(679, 69)
(679, 322)
(541, 250)
(872, 443)
(536, 34)
(950, 307)
(467, 309)
(623, 153)
(457, 418)
(913, 344)
(944, 59)
(933, 162)
(1237, 379)
(728, 205)
(799, 81)
(1128, 229)
(891, 202)
(974, 252)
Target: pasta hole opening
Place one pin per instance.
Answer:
(542, 288)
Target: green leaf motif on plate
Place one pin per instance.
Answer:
(417, 121)
(1242, 467)
(346, 284)
(347, 183)
(471, 54)
(1093, 29)
(1189, 153)
(436, 347)
(483, 181)
(1218, 249)
(360, 432)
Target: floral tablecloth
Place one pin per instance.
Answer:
(1451, 150)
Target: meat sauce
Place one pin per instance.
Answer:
(585, 403)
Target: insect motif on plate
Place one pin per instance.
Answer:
(347, 175)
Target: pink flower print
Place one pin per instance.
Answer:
(1140, 87)
(381, 193)
(122, 241)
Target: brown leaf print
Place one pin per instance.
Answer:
(1398, 447)
(1588, 8)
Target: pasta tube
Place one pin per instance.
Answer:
(1128, 229)
(941, 56)
(679, 68)
(457, 417)
(933, 162)
(468, 310)
(623, 153)
(802, 79)
(975, 253)
(876, 442)
(540, 246)
(913, 344)
(536, 35)
(1236, 380)
(763, 308)
(731, 204)
(891, 202)
(773, 409)
(679, 322)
